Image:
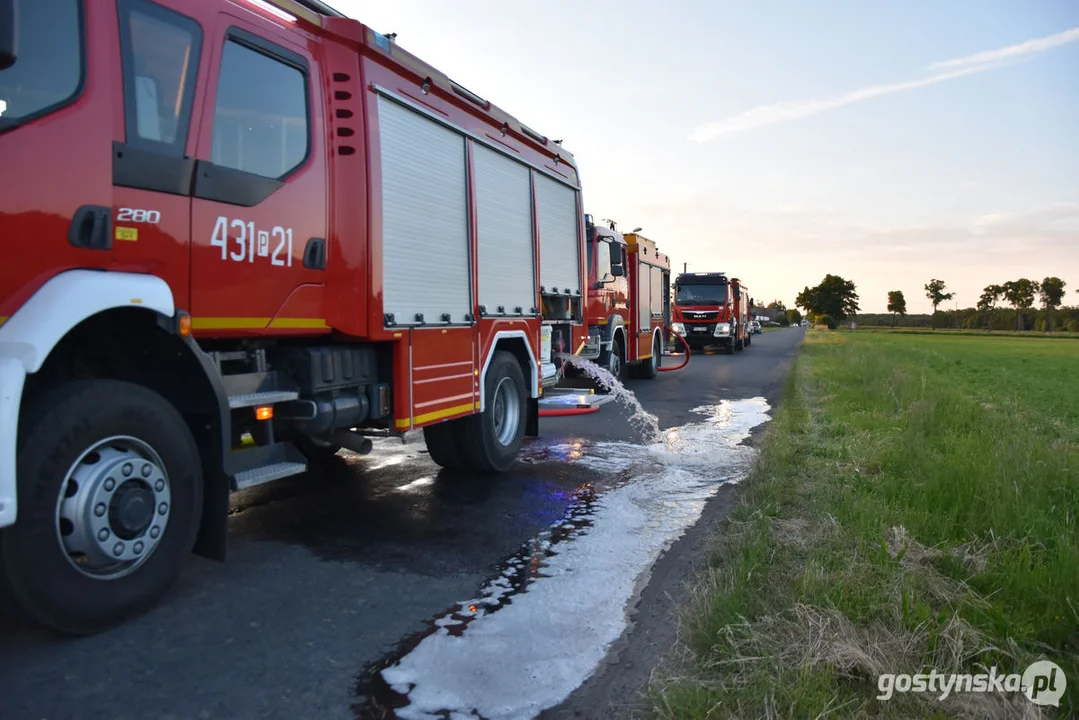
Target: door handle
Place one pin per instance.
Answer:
(314, 255)
(91, 228)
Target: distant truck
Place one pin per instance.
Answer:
(710, 309)
(628, 302)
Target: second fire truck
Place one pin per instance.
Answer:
(628, 305)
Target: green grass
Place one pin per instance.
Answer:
(913, 508)
(1032, 334)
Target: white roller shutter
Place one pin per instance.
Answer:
(507, 276)
(644, 309)
(425, 263)
(559, 249)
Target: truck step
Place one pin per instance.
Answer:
(267, 397)
(268, 473)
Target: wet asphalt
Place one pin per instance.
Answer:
(331, 572)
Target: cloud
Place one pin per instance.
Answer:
(1011, 52)
(787, 111)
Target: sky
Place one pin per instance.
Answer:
(778, 141)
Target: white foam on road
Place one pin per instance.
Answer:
(530, 654)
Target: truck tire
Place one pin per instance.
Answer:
(649, 369)
(614, 360)
(110, 497)
(443, 445)
(490, 440)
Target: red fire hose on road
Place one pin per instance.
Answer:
(684, 362)
(559, 412)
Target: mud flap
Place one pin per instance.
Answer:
(212, 540)
(532, 424)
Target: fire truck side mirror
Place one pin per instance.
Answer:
(9, 34)
(618, 271)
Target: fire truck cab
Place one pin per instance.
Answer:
(711, 310)
(628, 302)
(239, 236)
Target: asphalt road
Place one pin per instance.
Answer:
(337, 574)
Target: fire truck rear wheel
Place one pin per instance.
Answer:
(490, 440)
(110, 496)
(443, 445)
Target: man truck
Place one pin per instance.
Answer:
(240, 235)
(711, 310)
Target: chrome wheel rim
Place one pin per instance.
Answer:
(507, 411)
(113, 507)
(614, 362)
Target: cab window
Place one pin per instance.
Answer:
(48, 70)
(603, 259)
(261, 122)
(160, 50)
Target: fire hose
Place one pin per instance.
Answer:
(559, 412)
(684, 362)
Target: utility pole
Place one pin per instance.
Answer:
(684, 266)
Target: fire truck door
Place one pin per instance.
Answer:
(259, 212)
(162, 49)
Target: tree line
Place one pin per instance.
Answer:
(1033, 305)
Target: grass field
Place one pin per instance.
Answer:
(913, 509)
(1033, 335)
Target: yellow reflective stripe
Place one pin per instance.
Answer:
(3, 319)
(307, 323)
(256, 323)
(438, 414)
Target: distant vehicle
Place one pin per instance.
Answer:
(755, 327)
(710, 309)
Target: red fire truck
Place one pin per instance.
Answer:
(240, 235)
(711, 310)
(628, 303)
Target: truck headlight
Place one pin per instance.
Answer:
(722, 329)
(678, 328)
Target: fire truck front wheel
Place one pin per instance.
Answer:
(490, 440)
(110, 495)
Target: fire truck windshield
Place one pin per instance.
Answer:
(710, 294)
(47, 71)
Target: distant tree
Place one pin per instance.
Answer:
(834, 296)
(934, 290)
(1052, 293)
(990, 295)
(777, 305)
(794, 316)
(896, 304)
(1020, 293)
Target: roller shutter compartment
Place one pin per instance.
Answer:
(559, 250)
(507, 275)
(425, 256)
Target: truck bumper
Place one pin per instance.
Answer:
(12, 377)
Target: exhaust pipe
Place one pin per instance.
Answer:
(351, 441)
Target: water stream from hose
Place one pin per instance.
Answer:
(641, 419)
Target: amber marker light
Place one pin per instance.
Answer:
(264, 413)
